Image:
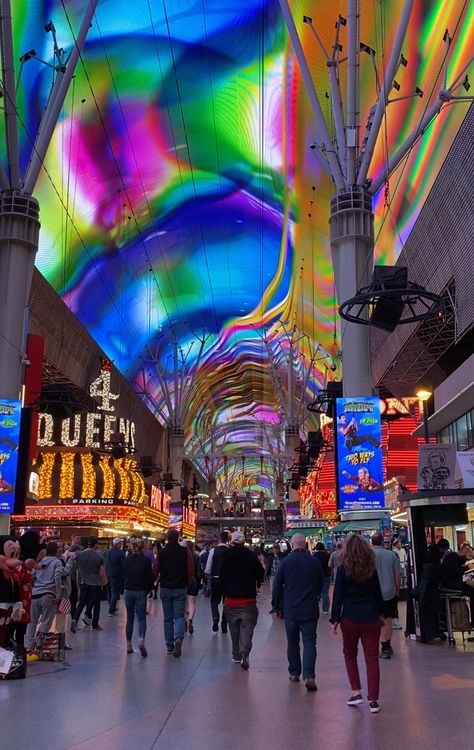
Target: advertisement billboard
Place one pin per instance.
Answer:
(436, 466)
(273, 522)
(359, 454)
(10, 413)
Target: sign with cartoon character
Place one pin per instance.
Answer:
(10, 412)
(436, 466)
(360, 469)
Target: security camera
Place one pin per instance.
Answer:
(333, 367)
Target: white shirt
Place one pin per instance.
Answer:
(211, 557)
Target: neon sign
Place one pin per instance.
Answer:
(92, 429)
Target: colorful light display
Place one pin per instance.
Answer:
(80, 477)
(180, 192)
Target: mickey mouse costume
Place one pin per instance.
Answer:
(10, 602)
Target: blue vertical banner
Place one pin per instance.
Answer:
(359, 453)
(10, 413)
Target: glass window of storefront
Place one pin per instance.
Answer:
(460, 432)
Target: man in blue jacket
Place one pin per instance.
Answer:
(296, 590)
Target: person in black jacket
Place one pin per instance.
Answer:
(358, 606)
(138, 583)
(114, 568)
(297, 587)
(322, 555)
(213, 569)
(241, 573)
(176, 568)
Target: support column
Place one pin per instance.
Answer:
(292, 441)
(19, 232)
(352, 246)
(176, 454)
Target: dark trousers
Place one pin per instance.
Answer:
(16, 632)
(115, 584)
(242, 621)
(90, 599)
(74, 594)
(216, 598)
(307, 628)
(369, 634)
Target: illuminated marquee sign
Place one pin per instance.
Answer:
(10, 412)
(360, 470)
(390, 408)
(93, 429)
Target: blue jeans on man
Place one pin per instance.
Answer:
(174, 606)
(307, 628)
(135, 602)
(325, 594)
(115, 584)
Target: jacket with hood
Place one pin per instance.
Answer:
(47, 579)
(241, 573)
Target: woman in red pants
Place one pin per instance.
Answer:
(357, 605)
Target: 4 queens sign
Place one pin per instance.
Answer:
(359, 452)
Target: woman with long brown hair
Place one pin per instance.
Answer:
(357, 605)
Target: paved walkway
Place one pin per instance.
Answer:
(104, 699)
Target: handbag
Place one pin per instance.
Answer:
(64, 606)
(17, 670)
(50, 646)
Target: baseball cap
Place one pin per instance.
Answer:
(237, 537)
(117, 540)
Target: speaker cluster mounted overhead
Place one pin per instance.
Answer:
(390, 300)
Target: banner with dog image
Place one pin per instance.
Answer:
(436, 466)
(359, 452)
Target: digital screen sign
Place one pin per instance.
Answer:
(359, 453)
(10, 412)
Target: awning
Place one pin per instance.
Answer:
(311, 531)
(362, 525)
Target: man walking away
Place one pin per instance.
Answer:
(176, 568)
(297, 587)
(241, 574)
(322, 555)
(389, 571)
(274, 559)
(91, 573)
(213, 569)
(114, 567)
(46, 594)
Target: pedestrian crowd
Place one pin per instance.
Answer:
(52, 590)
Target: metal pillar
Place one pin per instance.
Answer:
(352, 241)
(348, 158)
(19, 211)
(19, 232)
(176, 438)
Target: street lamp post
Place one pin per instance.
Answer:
(424, 395)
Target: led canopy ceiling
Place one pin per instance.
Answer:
(183, 210)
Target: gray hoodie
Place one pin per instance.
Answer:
(47, 579)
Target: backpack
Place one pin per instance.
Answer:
(459, 615)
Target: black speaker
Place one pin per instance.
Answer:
(295, 481)
(315, 441)
(168, 481)
(387, 311)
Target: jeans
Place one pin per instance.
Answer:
(90, 599)
(241, 621)
(325, 594)
(216, 597)
(135, 601)
(44, 610)
(114, 587)
(307, 628)
(174, 606)
(369, 633)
